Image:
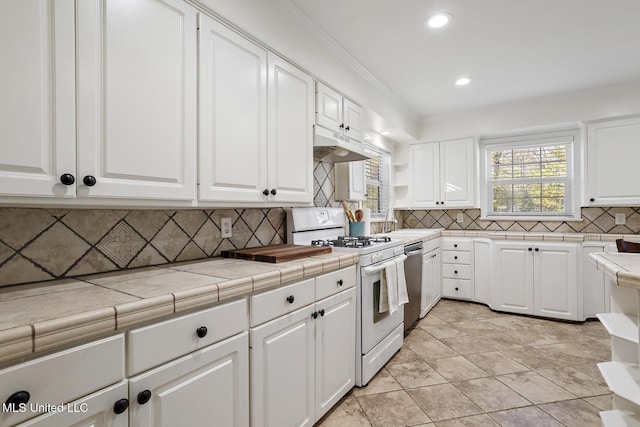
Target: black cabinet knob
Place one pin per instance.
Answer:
(201, 332)
(529, 249)
(341, 126)
(456, 289)
(442, 203)
(347, 128)
(455, 245)
(455, 257)
(537, 249)
(120, 406)
(340, 282)
(290, 299)
(89, 180)
(592, 199)
(144, 396)
(322, 312)
(437, 203)
(17, 398)
(273, 191)
(314, 314)
(266, 192)
(67, 179)
(455, 271)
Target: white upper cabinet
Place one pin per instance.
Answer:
(351, 181)
(290, 137)
(37, 82)
(613, 149)
(129, 67)
(337, 113)
(233, 115)
(136, 99)
(251, 150)
(441, 174)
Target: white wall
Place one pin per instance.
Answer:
(271, 23)
(592, 104)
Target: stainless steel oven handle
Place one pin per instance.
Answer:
(379, 267)
(412, 253)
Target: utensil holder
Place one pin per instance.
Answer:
(356, 228)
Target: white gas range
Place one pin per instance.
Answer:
(379, 335)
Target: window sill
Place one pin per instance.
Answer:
(532, 218)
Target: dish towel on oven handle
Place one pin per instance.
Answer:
(393, 287)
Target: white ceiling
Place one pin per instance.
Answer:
(513, 49)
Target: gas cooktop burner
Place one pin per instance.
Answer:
(350, 241)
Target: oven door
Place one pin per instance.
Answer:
(375, 325)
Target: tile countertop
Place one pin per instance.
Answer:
(39, 317)
(622, 268)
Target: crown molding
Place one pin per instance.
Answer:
(337, 49)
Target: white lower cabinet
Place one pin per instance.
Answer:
(457, 268)
(303, 362)
(206, 385)
(482, 270)
(431, 277)
(538, 278)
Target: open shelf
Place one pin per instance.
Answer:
(623, 379)
(617, 418)
(620, 325)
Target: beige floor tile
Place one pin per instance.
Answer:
(415, 374)
(574, 413)
(524, 417)
(418, 335)
(491, 395)
(590, 369)
(496, 363)
(381, 383)
(431, 350)
(603, 403)
(535, 388)
(473, 421)
(444, 330)
(430, 319)
(475, 327)
(346, 414)
(443, 402)
(391, 409)
(531, 357)
(569, 354)
(404, 355)
(575, 381)
(468, 344)
(457, 368)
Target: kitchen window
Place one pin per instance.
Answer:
(531, 176)
(377, 180)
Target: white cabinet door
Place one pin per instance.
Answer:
(282, 371)
(352, 120)
(329, 108)
(95, 410)
(37, 106)
(136, 99)
(613, 148)
(350, 181)
(436, 290)
(335, 349)
(207, 386)
(513, 277)
(555, 267)
(425, 175)
(457, 173)
(233, 115)
(482, 271)
(430, 282)
(290, 139)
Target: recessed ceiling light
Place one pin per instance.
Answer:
(463, 81)
(385, 132)
(438, 20)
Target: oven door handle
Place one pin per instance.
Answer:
(412, 253)
(379, 267)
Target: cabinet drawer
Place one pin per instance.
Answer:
(455, 257)
(158, 343)
(334, 282)
(456, 271)
(457, 288)
(271, 304)
(64, 376)
(456, 245)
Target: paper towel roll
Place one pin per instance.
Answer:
(366, 217)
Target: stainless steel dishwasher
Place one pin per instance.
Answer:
(413, 276)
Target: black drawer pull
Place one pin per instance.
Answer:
(340, 282)
(290, 299)
(455, 245)
(17, 398)
(120, 406)
(455, 271)
(144, 396)
(456, 289)
(321, 312)
(455, 257)
(201, 331)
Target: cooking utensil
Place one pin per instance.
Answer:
(348, 212)
(359, 214)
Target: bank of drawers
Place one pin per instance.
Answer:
(457, 272)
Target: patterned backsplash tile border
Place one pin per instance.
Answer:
(594, 220)
(45, 244)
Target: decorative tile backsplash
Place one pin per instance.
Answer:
(594, 220)
(44, 244)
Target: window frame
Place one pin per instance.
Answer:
(570, 137)
(384, 186)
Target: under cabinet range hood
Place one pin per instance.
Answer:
(332, 147)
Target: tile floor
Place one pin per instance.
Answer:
(465, 365)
